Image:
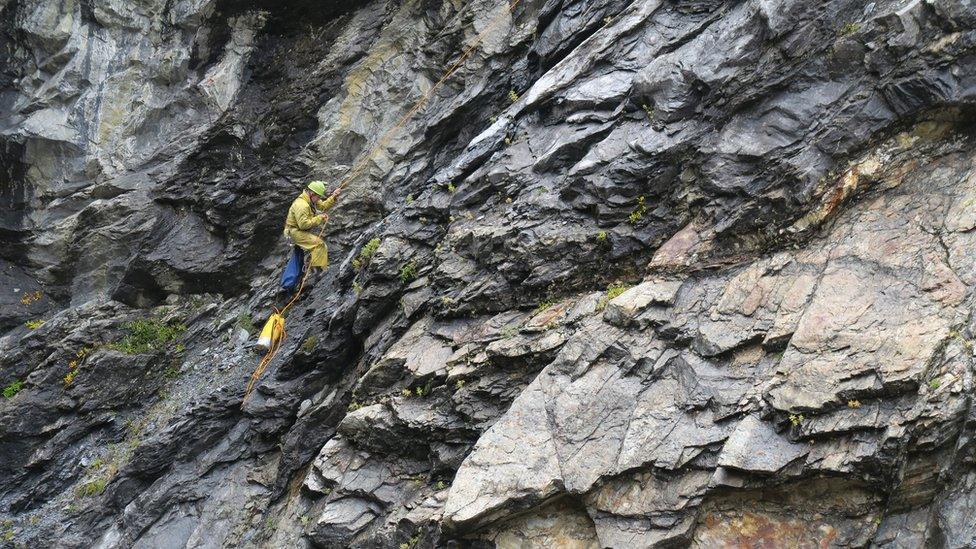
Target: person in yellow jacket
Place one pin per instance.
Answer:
(305, 216)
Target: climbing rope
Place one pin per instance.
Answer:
(360, 166)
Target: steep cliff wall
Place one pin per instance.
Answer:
(643, 274)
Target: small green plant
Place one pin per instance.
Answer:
(406, 392)
(10, 391)
(451, 188)
(421, 391)
(441, 485)
(408, 272)
(459, 384)
(409, 199)
(310, 343)
(796, 419)
(172, 372)
(648, 110)
(513, 96)
(853, 403)
(147, 334)
(269, 524)
(607, 20)
(366, 253)
(34, 324)
(508, 140)
(849, 28)
(601, 236)
(353, 406)
(613, 291)
(305, 519)
(91, 488)
(510, 331)
(638, 212)
(245, 321)
(935, 383)
(543, 306)
(411, 543)
(7, 532)
(357, 288)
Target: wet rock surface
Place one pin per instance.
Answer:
(648, 274)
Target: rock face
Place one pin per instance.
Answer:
(645, 274)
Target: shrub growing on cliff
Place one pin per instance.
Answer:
(147, 334)
(10, 391)
(366, 253)
(408, 272)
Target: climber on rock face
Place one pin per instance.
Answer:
(306, 214)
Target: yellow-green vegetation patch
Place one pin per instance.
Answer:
(147, 334)
(34, 324)
(91, 488)
(613, 291)
(10, 391)
(366, 253)
(408, 272)
(638, 212)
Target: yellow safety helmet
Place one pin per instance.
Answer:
(317, 187)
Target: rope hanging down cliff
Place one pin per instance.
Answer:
(278, 317)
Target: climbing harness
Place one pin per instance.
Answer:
(273, 333)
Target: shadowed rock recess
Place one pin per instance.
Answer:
(686, 273)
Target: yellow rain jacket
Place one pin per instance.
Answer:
(302, 220)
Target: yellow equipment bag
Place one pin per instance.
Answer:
(272, 331)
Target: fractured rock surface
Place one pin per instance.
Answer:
(648, 274)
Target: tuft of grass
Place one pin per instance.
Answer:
(935, 383)
(796, 419)
(601, 236)
(365, 254)
(513, 96)
(357, 288)
(147, 334)
(543, 306)
(613, 291)
(459, 384)
(10, 391)
(172, 372)
(34, 324)
(310, 343)
(91, 488)
(853, 403)
(451, 188)
(638, 212)
(408, 272)
(353, 406)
